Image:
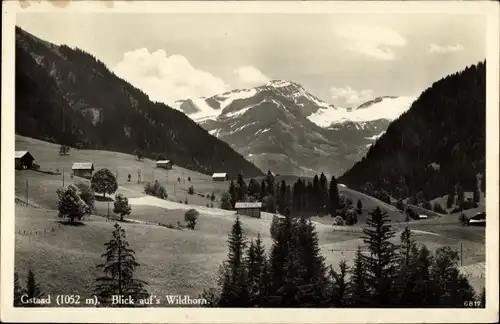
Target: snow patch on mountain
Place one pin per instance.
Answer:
(204, 110)
(215, 132)
(238, 112)
(229, 97)
(262, 131)
(387, 108)
(240, 128)
(375, 137)
(242, 111)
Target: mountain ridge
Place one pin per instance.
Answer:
(282, 126)
(68, 96)
(434, 147)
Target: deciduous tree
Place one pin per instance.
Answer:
(121, 206)
(104, 182)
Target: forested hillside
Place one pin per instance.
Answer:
(435, 146)
(65, 95)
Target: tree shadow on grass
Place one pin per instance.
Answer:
(102, 198)
(68, 223)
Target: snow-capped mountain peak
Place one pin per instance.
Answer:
(280, 83)
(388, 108)
(281, 125)
(201, 109)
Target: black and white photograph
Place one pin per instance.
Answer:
(248, 155)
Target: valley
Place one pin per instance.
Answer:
(175, 261)
(264, 192)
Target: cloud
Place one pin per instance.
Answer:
(167, 78)
(437, 49)
(372, 41)
(250, 75)
(348, 97)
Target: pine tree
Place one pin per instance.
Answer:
(359, 207)
(460, 195)
(476, 195)
(18, 291)
(256, 264)
(454, 289)
(265, 285)
(269, 204)
(226, 201)
(333, 197)
(316, 194)
(425, 289)
(340, 288)
(290, 294)
(233, 193)
(235, 288)
(405, 281)
(359, 295)
(263, 189)
(270, 182)
(323, 198)
(241, 189)
(119, 266)
(33, 289)
(288, 197)
(381, 263)
(282, 198)
(253, 188)
(281, 250)
(311, 270)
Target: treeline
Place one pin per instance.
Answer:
(438, 143)
(318, 196)
(58, 89)
(294, 274)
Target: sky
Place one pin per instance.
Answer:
(343, 59)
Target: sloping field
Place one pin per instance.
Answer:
(47, 156)
(173, 261)
(64, 257)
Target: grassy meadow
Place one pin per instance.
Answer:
(174, 261)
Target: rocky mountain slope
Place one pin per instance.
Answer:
(65, 95)
(438, 143)
(282, 127)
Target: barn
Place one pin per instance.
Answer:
(164, 164)
(219, 177)
(23, 160)
(251, 209)
(83, 169)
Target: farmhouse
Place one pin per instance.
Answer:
(219, 177)
(164, 164)
(83, 169)
(251, 209)
(23, 160)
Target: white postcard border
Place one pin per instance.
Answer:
(489, 9)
